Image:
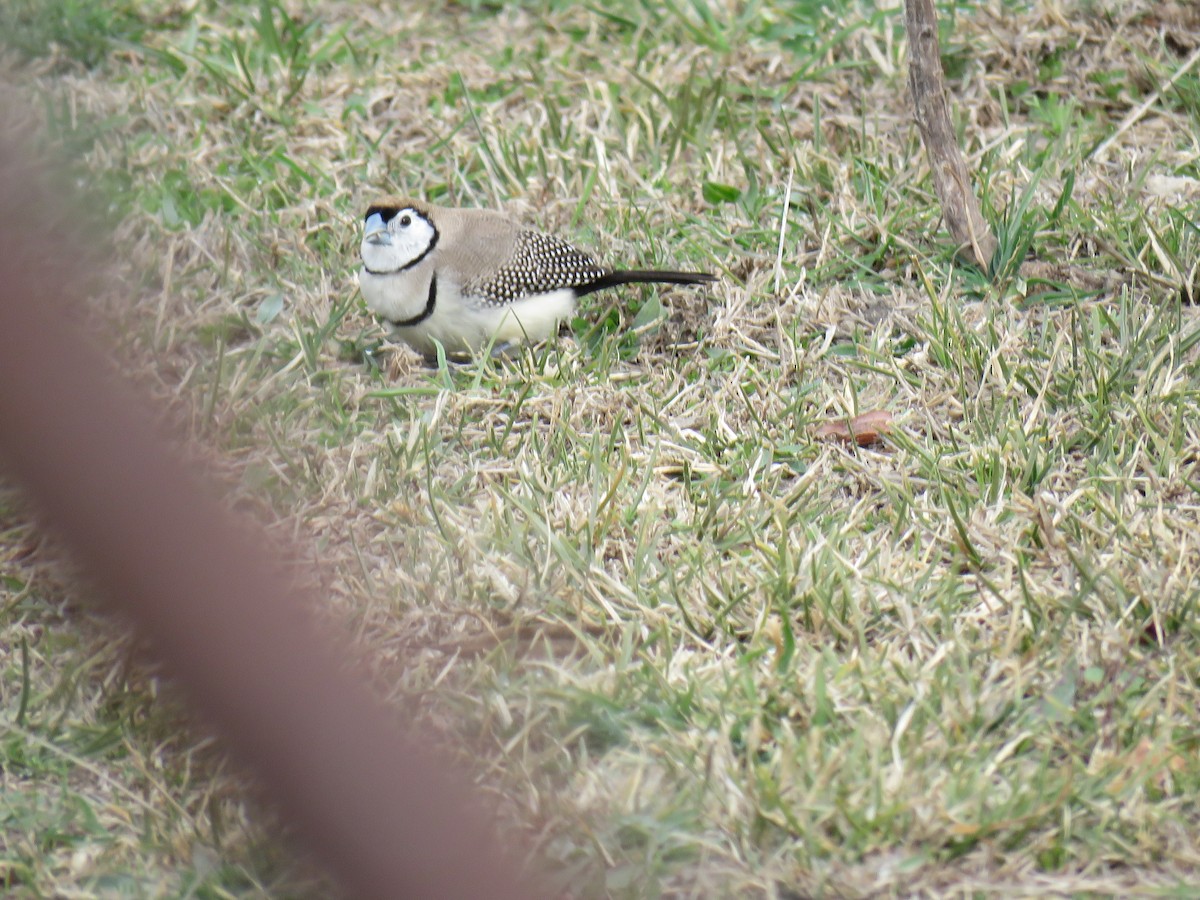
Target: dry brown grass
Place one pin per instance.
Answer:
(713, 655)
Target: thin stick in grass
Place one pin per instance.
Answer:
(960, 207)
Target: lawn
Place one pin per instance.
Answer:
(709, 653)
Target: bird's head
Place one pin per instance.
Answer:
(397, 234)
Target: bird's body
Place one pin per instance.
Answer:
(467, 278)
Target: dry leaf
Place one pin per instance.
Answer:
(1159, 765)
(866, 428)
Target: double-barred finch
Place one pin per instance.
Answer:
(468, 278)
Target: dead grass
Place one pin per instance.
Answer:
(714, 656)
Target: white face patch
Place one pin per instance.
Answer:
(396, 239)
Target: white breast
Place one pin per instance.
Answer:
(397, 295)
(462, 324)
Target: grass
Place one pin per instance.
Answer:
(713, 656)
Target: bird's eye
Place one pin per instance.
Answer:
(405, 221)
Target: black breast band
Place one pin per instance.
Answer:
(424, 314)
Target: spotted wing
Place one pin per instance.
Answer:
(540, 263)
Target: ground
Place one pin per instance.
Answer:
(710, 653)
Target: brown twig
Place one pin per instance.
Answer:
(960, 208)
(377, 805)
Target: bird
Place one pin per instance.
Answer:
(471, 279)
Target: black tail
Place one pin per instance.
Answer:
(634, 276)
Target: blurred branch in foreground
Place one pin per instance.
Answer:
(373, 803)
